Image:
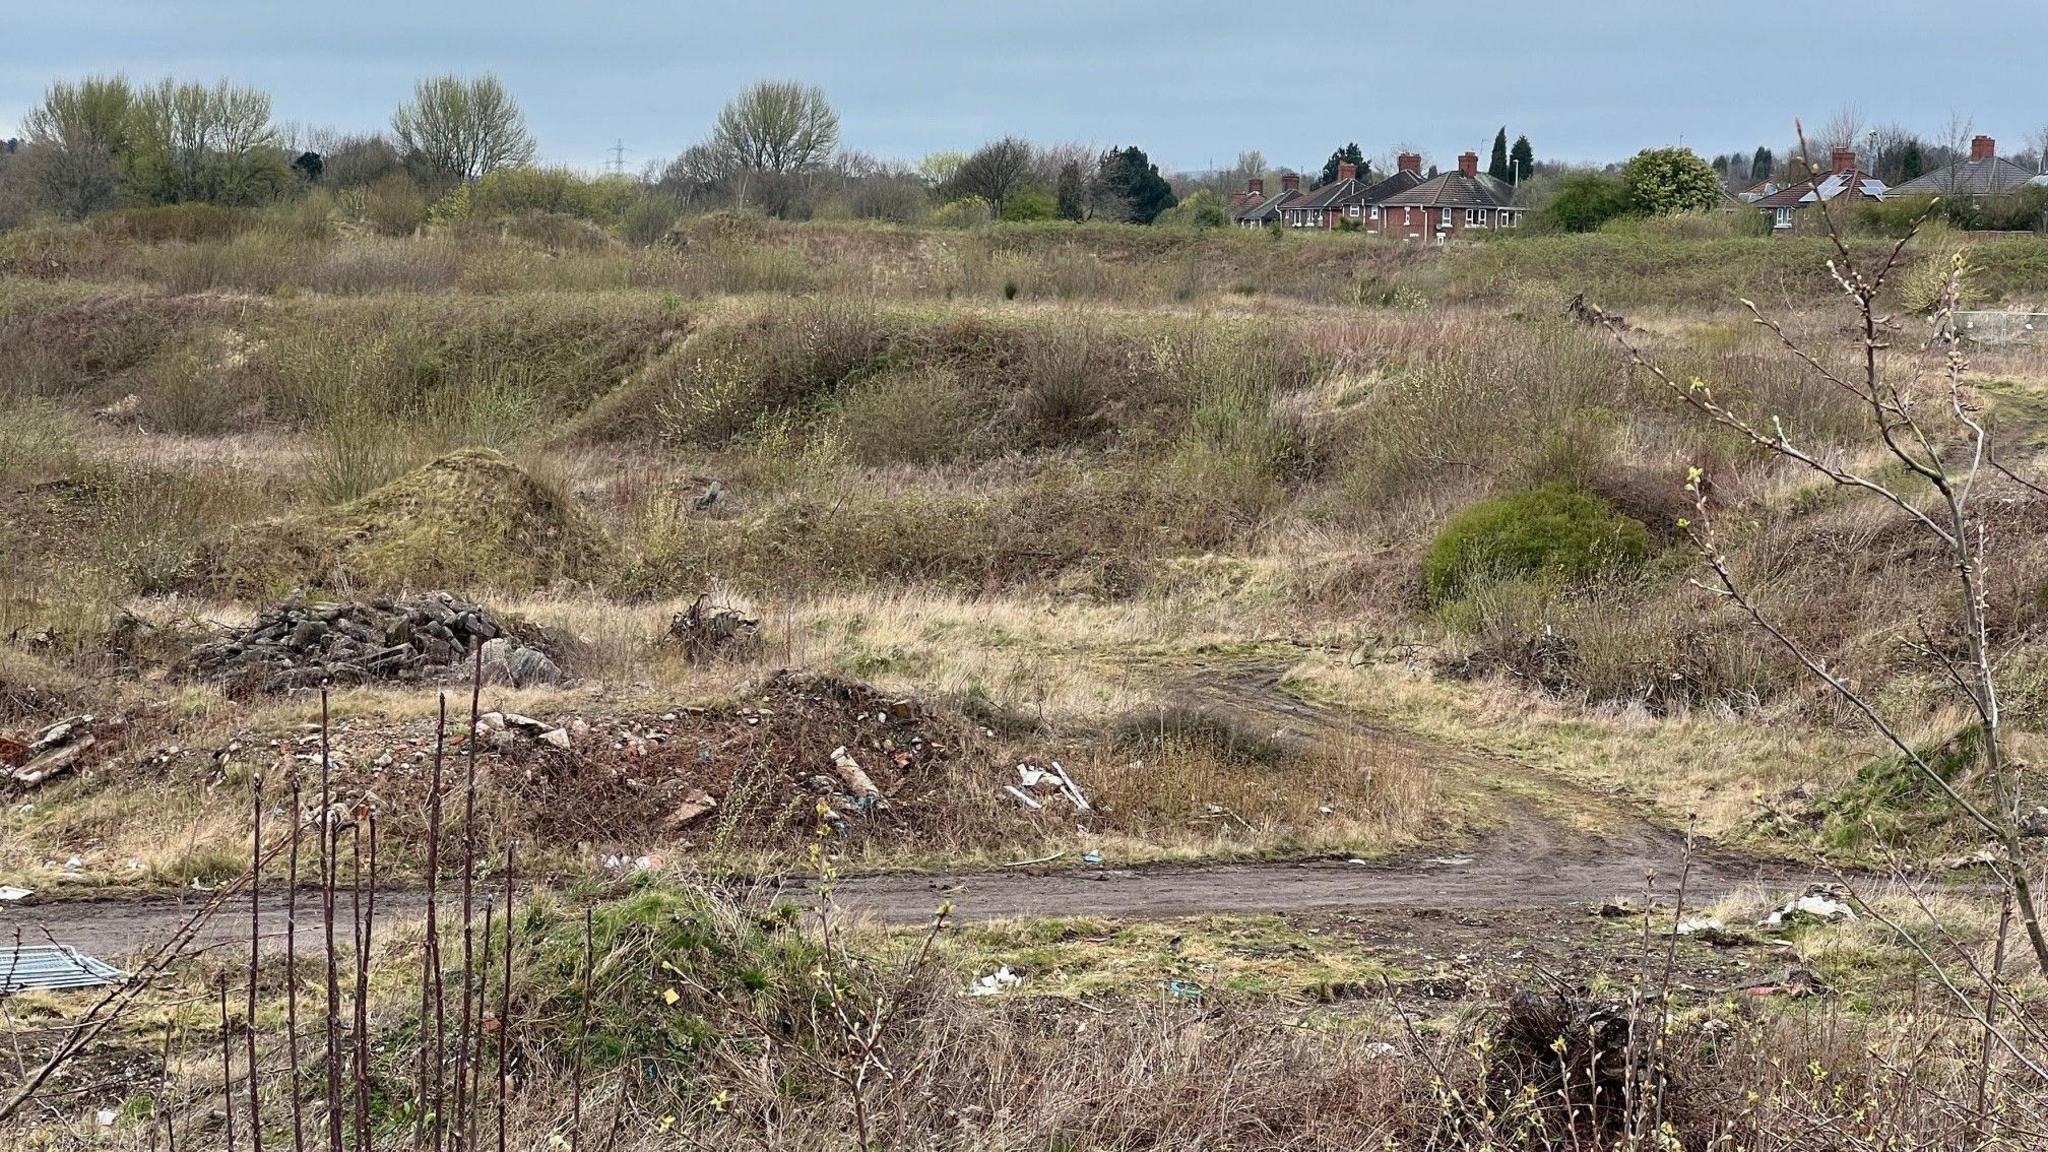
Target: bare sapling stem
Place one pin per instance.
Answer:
(164, 1110)
(291, 965)
(329, 867)
(227, 1069)
(433, 1042)
(255, 951)
(483, 990)
(505, 999)
(365, 944)
(462, 1035)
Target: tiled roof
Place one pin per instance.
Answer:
(1827, 188)
(1268, 207)
(1455, 190)
(1335, 192)
(1988, 177)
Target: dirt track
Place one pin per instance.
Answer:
(1531, 861)
(1529, 864)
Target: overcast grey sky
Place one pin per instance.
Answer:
(1192, 82)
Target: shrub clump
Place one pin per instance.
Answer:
(1554, 531)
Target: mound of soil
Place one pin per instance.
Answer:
(471, 518)
(302, 645)
(758, 773)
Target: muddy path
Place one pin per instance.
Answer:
(1529, 858)
(1527, 865)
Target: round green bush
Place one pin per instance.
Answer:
(1554, 531)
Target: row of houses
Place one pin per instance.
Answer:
(1406, 205)
(1409, 206)
(1984, 174)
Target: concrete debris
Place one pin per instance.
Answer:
(47, 752)
(997, 981)
(508, 662)
(708, 631)
(1820, 904)
(695, 806)
(300, 644)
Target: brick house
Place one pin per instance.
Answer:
(1841, 179)
(1449, 205)
(1252, 208)
(1350, 198)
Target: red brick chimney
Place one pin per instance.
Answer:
(1468, 164)
(1411, 162)
(1290, 181)
(1256, 186)
(1346, 171)
(1983, 148)
(1844, 160)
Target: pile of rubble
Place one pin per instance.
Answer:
(298, 644)
(770, 769)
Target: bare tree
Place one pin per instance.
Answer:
(1844, 129)
(457, 130)
(995, 172)
(777, 127)
(1939, 464)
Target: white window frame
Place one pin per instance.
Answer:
(1407, 217)
(1508, 217)
(1475, 217)
(1375, 212)
(1353, 209)
(1444, 218)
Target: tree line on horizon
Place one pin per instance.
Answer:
(459, 149)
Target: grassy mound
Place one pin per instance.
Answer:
(1551, 531)
(470, 519)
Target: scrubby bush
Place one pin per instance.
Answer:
(1554, 532)
(190, 222)
(395, 205)
(965, 212)
(1583, 201)
(1032, 203)
(1205, 209)
(648, 219)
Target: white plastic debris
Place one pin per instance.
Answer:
(9, 893)
(1820, 903)
(997, 981)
